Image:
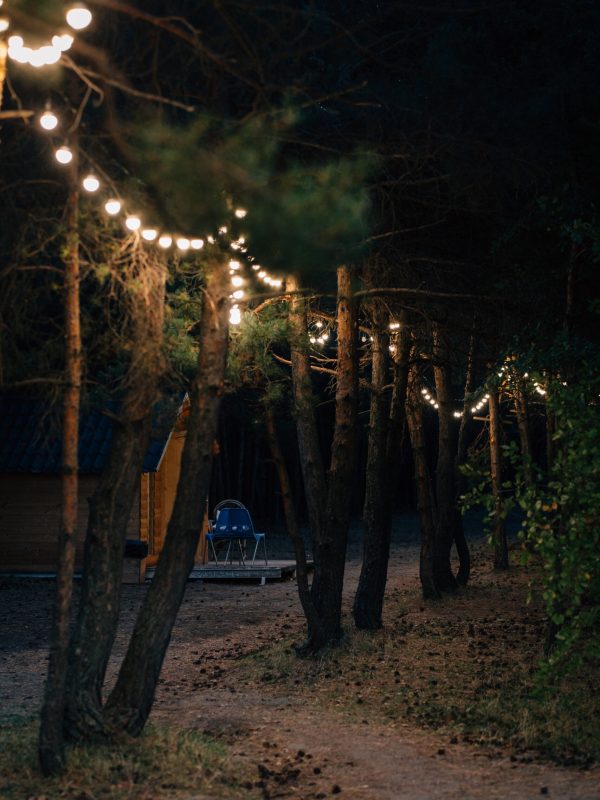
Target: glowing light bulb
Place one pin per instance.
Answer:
(210, 239)
(256, 267)
(312, 340)
(457, 414)
(223, 230)
(112, 207)
(424, 391)
(234, 264)
(197, 244)
(91, 183)
(262, 274)
(63, 155)
(319, 323)
(4, 24)
(238, 294)
(149, 234)
(63, 42)
(277, 283)
(183, 244)
(165, 241)
(79, 17)
(237, 281)
(235, 315)
(240, 213)
(48, 54)
(133, 223)
(48, 121)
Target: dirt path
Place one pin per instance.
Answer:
(294, 749)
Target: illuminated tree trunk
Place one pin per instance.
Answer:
(327, 495)
(462, 547)
(110, 507)
(291, 521)
(330, 555)
(521, 410)
(445, 490)
(414, 417)
(311, 460)
(384, 433)
(499, 530)
(51, 746)
(130, 702)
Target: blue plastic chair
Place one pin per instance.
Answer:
(233, 524)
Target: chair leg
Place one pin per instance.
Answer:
(214, 552)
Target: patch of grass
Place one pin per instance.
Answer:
(160, 764)
(465, 666)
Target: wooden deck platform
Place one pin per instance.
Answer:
(275, 570)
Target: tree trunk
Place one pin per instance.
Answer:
(445, 489)
(110, 509)
(414, 417)
(291, 521)
(499, 530)
(311, 460)
(330, 554)
(381, 460)
(521, 410)
(130, 702)
(462, 547)
(51, 745)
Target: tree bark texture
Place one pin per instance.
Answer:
(291, 521)
(330, 554)
(383, 447)
(311, 459)
(111, 504)
(51, 743)
(499, 531)
(445, 489)
(130, 702)
(522, 413)
(414, 417)
(462, 547)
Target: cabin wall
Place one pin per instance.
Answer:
(30, 519)
(157, 498)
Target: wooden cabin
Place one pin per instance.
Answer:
(30, 487)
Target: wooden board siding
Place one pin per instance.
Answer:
(29, 520)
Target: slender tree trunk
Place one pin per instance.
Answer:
(381, 461)
(521, 410)
(311, 460)
(291, 521)
(414, 417)
(110, 508)
(499, 530)
(462, 547)
(51, 745)
(130, 702)
(330, 555)
(550, 433)
(445, 488)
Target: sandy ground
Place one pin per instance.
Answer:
(294, 748)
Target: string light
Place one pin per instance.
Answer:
(235, 315)
(4, 24)
(197, 244)
(149, 234)
(79, 17)
(183, 244)
(237, 280)
(133, 223)
(240, 213)
(48, 121)
(165, 241)
(238, 294)
(91, 183)
(63, 155)
(112, 207)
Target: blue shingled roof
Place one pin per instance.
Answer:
(30, 437)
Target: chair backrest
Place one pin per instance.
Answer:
(234, 522)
